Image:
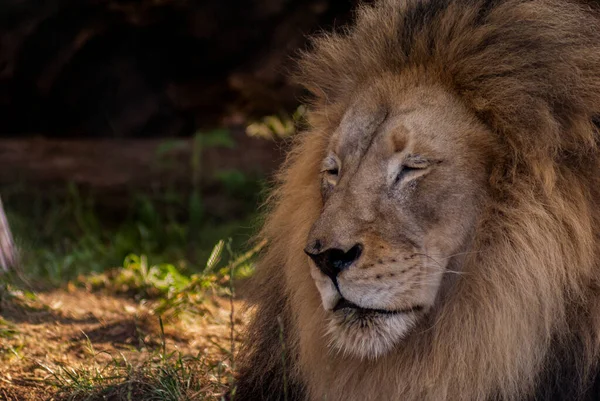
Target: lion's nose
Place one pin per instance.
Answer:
(332, 261)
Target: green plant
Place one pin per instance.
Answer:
(173, 290)
(62, 237)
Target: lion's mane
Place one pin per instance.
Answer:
(525, 317)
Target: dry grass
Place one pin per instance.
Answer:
(72, 344)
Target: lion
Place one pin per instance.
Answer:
(434, 235)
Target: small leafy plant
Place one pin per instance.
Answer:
(173, 291)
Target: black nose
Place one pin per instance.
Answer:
(332, 261)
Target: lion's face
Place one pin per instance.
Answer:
(402, 184)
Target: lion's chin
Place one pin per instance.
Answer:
(367, 336)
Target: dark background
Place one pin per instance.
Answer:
(150, 68)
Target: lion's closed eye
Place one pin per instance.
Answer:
(410, 168)
(408, 172)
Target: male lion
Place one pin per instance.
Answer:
(436, 234)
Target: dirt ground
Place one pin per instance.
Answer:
(75, 328)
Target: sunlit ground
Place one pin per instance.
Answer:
(74, 326)
(148, 305)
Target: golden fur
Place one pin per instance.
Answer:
(530, 72)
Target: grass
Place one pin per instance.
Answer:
(169, 256)
(148, 371)
(156, 257)
(173, 291)
(69, 231)
(8, 331)
(154, 372)
(67, 235)
(164, 376)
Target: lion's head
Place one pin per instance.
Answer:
(435, 234)
(402, 186)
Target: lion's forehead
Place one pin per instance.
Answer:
(382, 123)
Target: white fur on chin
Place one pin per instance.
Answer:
(367, 337)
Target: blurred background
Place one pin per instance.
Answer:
(137, 141)
(145, 125)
